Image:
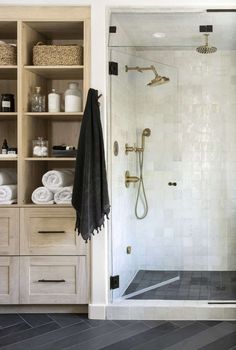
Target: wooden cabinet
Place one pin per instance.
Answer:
(9, 231)
(38, 242)
(9, 280)
(53, 280)
(49, 231)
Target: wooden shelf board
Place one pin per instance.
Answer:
(57, 116)
(8, 116)
(50, 159)
(32, 205)
(8, 159)
(58, 72)
(8, 72)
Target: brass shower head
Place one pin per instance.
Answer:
(158, 80)
(206, 48)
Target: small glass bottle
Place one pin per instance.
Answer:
(38, 101)
(4, 147)
(53, 102)
(73, 98)
(7, 103)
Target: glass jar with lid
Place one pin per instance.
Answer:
(40, 147)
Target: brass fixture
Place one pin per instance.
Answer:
(132, 149)
(205, 49)
(129, 179)
(158, 79)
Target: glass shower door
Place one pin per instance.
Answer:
(146, 253)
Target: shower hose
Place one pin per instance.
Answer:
(141, 190)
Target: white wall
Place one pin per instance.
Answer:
(100, 293)
(191, 226)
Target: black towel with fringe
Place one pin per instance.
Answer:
(90, 193)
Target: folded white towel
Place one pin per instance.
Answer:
(8, 176)
(54, 180)
(64, 196)
(42, 195)
(8, 192)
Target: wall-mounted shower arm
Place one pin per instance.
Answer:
(141, 69)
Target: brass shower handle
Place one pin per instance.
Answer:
(129, 179)
(132, 149)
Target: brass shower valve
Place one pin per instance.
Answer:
(132, 149)
(130, 179)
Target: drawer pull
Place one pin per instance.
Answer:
(46, 281)
(51, 231)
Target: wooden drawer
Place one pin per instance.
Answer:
(9, 280)
(9, 231)
(53, 280)
(50, 231)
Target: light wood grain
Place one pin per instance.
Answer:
(9, 231)
(71, 269)
(9, 277)
(50, 231)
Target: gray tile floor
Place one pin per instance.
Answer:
(192, 285)
(75, 332)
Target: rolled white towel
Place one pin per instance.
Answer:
(12, 201)
(42, 195)
(64, 196)
(7, 193)
(54, 180)
(8, 176)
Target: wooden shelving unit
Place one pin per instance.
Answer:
(25, 254)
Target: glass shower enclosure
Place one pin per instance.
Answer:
(184, 248)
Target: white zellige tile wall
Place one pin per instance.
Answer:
(193, 120)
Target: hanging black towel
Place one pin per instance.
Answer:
(90, 193)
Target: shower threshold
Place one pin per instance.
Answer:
(147, 289)
(182, 285)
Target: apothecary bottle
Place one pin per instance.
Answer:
(53, 102)
(73, 98)
(38, 101)
(7, 103)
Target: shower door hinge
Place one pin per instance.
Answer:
(112, 29)
(113, 68)
(114, 282)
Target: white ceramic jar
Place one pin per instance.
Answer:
(73, 98)
(53, 102)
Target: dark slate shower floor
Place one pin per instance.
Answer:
(192, 285)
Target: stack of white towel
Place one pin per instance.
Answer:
(57, 187)
(8, 187)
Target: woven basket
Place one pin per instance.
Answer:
(57, 55)
(7, 54)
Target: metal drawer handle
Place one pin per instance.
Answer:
(46, 281)
(51, 231)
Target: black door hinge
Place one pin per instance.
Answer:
(112, 29)
(114, 282)
(206, 29)
(113, 68)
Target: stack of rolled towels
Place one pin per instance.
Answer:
(8, 187)
(57, 187)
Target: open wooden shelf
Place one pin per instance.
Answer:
(55, 159)
(7, 159)
(64, 116)
(58, 72)
(8, 72)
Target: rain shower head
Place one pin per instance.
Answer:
(206, 48)
(158, 80)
